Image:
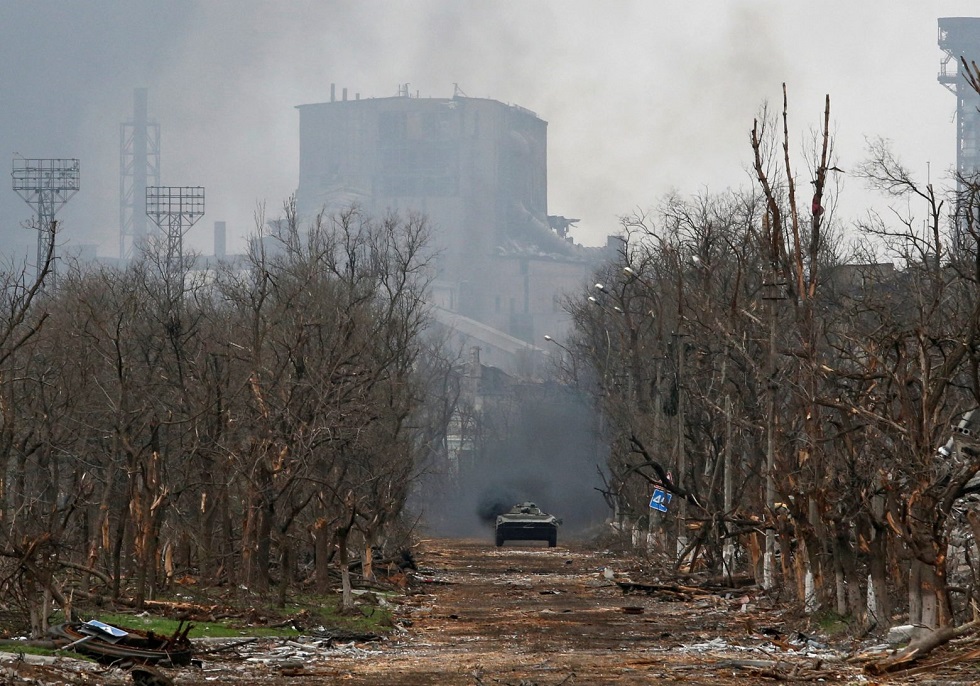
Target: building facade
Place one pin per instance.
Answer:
(477, 169)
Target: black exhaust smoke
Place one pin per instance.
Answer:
(495, 502)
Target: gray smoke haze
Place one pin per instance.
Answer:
(641, 97)
(545, 449)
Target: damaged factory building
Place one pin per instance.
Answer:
(477, 170)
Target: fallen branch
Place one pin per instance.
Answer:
(921, 647)
(338, 634)
(172, 606)
(683, 592)
(808, 670)
(970, 656)
(101, 576)
(229, 646)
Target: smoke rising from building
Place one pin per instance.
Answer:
(642, 97)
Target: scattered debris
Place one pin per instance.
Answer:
(114, 645)
(502, 616)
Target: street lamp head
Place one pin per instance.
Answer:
(593, 300)
(548, 338)
(600, 287)
(629, 271)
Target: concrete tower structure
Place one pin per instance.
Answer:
(139, 168)
(477, 169)
(960, 37)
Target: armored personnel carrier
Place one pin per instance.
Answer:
(526, 522)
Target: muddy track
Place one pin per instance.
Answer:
(529, 615)
(525, 614)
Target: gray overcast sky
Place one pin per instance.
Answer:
(641, 96)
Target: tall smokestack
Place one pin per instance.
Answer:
(219, 240)
(333, 92)
(140, 180)
(344, 94)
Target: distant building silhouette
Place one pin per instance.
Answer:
(477, 168)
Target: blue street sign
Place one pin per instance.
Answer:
(660, 499)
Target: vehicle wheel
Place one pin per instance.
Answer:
(500, 540)
(552, 540)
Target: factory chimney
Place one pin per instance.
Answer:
(220, 250)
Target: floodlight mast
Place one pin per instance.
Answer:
(46, 185)
(174, 209)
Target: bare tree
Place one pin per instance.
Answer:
(33, 516)
(912, 356)
(333, 320)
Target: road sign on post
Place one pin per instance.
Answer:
(660, 499)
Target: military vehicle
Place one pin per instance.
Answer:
(526, 522)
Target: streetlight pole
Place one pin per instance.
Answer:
(571, 356)
(770, 557)
(681, 452)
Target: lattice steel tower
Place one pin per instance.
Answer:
(46, 185)
(174, 209)
(139, 167)
(960, 37)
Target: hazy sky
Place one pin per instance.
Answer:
(641, 96)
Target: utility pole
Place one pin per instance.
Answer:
(773, 292)
(770, 557)
(728, 549)
(681, 453)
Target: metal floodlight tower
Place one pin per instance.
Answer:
(959, 37)
(174, 209)
(46, 185)
(139, 167)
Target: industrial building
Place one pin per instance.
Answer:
(959, 37)
(477, 169)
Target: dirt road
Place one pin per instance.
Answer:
(528, 615)
(525, 614)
